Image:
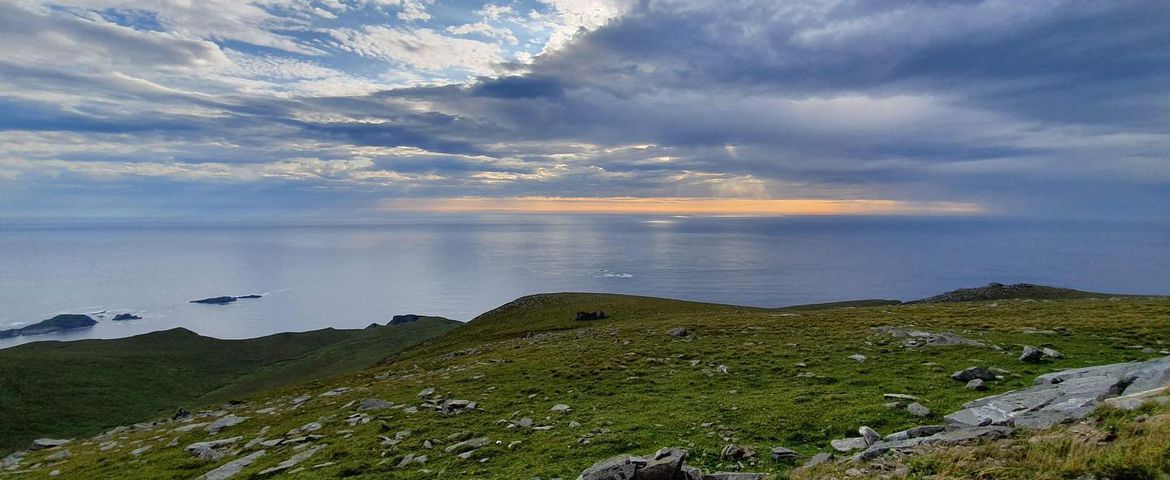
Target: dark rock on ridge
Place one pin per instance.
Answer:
(126, 316)
(999, 291)
(588, 316)
(401, 319)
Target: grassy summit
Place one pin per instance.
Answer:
(757, 378)
(82, 387)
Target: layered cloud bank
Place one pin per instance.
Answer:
(330, 107)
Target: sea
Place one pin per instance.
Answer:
(351, 275)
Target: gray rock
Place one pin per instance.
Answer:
(1040, 406)
(292, 462)
(426, 392)
(465, 445)
(209, 450)
(848, 444)
(947, 438)
(870, 435)
(918, 409)
(968, 374)
(818, 459)
(61, 455)
(621, 467)
(1031, 354)
(375, 404)
(43, 443)
(335, 392)
(736, 452)
(688, 472)
(233, 467)
(899, 396)
(781, 454)
(561, 408)
(666, 464)
(1050, 353)
(678, 332)
(1135, 400)
(225, 422)
(306, 428)
(858, 357)
(976, 384)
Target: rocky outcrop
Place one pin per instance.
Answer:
(919, 338)
(1063, 396)
(999, 291)
(121, 317)
(589, 316)
(404, 319)
(665, 464)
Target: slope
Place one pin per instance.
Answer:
(78, 388)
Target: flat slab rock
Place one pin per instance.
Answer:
(1063, 396)
(918, 338)
(957, 436)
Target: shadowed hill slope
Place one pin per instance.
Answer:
(80, 387)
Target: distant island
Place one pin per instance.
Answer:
(59, 323)
(224, 300)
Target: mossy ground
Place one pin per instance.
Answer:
(637, 389)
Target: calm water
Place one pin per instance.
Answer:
(351, 276)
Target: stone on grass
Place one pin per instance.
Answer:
(678, 332)
(466, 445)
(968, 374)
(858, 357)
(918, 409)
(870, 435)
(43, 443)
(780, 454)
(561, 408)
(292, 462)
(848, 444)
(375, 404)
(1051, 353)
(1031, 354)
(977, 384)
(225, 422)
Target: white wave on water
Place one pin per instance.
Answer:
(603, 273)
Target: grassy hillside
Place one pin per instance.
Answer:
(82, 387)
(757, 378)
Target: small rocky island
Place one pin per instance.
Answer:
(126, 316)
(59, 323)
(224, 299)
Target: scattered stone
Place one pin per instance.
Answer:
(918, 409)
(574, 424)
(857, 357)
(1031, 354)
(61, 455)
(210, 450)
(301, 399)
(375, 404)
(426, 392)
(976, 384)
(561, 408)
(306, 428)
(899, 396)
(678, 332)
(335, 392)
(781, 454)
(818, 459)
(292, 462)
(140, 451)
(233, 467)
(465, 445)
(736, 452)
(225, 422)
(968, 374)
(1050, 353)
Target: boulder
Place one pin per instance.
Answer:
(736, 452)
(666, 464)
(870, 435)
(466, 445)
(210, 450)
(403, 319)
(918, 409)
(1031, 355)
(621, 467)
(1041, 406)
(968, 374)
(561, 408)
(225, 422)
(678, 332)
(976, 384)
(43, 443)
(817, 459)
(1051, 353)
(857, 357)
(292, 462)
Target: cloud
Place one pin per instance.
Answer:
(421, 48)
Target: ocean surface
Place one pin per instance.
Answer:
(349, 276)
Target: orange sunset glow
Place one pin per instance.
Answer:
(679, 206)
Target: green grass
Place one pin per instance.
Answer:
(83, 387)
(634, 384)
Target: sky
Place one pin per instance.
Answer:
(328, 109)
